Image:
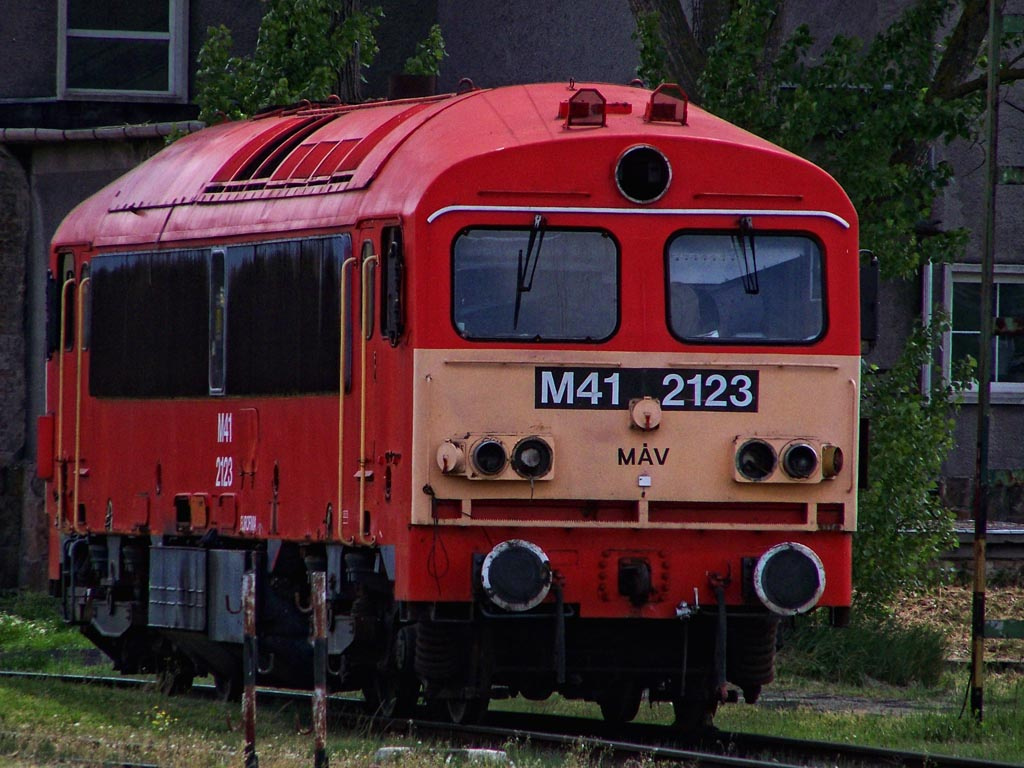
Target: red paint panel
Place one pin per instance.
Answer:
(287, 167)
(685, 557)
(249, 151)
(311, 161)
(45, 447)
(352, 160)
(334, 158)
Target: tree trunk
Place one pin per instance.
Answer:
(350, 72)
(685, 59)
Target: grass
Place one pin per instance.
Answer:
(883, 699)
(34, 638)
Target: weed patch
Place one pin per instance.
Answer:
(886, 651)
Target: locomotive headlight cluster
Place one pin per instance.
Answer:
(516, 575)
(799, 460)
(489, 457)
(531, 458)
(789, 578)
(498, 457)
(784, 459)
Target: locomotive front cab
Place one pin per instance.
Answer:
(631, 425)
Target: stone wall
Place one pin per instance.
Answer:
(14, 218)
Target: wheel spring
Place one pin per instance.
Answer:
(438, 651)
(751, 659)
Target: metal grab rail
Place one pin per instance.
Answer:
(342, 350)
(79, 343)
(59, 521)
(365, 297)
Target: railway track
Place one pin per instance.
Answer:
(632, 740)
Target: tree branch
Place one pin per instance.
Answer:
(685, 58)
(1006, 75)
(962, 49)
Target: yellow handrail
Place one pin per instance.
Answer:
(80, 340)
(342, 343)
(368, 262)
(59, 521)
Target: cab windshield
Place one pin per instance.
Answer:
(535, 284)
(745, 287)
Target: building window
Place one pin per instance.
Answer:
(963, 298)
(120, 48)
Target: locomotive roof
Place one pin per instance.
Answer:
(327, 165)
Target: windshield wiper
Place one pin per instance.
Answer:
(751, 285)
(528, 264)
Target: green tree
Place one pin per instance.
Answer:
(307, 49)
(868, 114)
(429, 54)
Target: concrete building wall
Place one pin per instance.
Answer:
(522, 41)
(29, 43)
(16, 463)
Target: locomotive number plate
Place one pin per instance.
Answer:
(677, 389)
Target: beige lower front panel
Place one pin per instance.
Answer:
(549, 438)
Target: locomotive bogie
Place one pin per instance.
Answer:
(542, 404)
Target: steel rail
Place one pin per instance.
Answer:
(654, 742)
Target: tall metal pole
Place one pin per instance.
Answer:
(987, 318)
(318, 597)
(250, 660)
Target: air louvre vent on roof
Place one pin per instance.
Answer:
(303, 153)
(273, 155)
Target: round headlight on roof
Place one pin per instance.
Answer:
(642, 174)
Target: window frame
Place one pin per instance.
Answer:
(203, 357)
(817, 289)
(176, 38)
(1002, 392)
(499, 339)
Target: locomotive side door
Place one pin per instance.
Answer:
(361, 471)
(66, 342)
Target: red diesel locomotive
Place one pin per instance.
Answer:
(554, 383)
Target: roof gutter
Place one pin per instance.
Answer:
(105, 133)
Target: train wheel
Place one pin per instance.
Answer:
(228, 687)
(394, 688)
(694, 716)
(466, 711)
(174, 672)
(620, 703)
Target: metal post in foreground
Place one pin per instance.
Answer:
(249, 661)
(318, 597)
(985, 367)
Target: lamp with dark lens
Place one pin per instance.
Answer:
(799, 461)
(489, 457)
(642, 174)
(531, 458)
(755, 460)
(516, 575)
(789, 578)
(831, 461)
